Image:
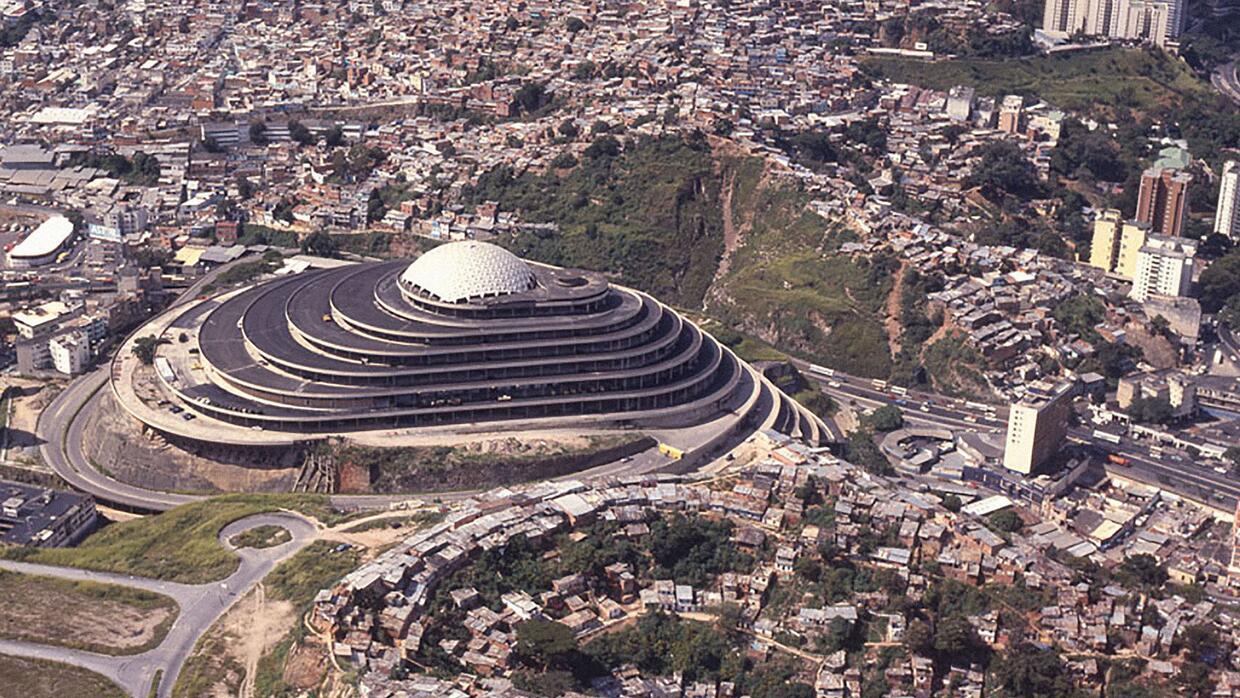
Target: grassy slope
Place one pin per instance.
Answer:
(180, 545)
(1082, 81)
(62, 603)
(33, 678)
(788, 285)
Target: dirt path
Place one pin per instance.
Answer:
(259, 626)
(892, 322)
(734, 229)
(251, 651)
(730, 237)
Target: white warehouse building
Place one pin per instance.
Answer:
(41, 246)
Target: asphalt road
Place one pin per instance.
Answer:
(1192, 480)
(60, 427)
(200, 606)
(1225, 79)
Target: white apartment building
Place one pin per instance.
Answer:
(1154, 21)
(70, 352)
(1164, 267)
(1227, 215)
(1037, 426)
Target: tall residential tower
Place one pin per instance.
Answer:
(1227, 215)
(1037, 426)
(1163, 200)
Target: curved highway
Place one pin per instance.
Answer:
(1226, 79)
(1193, 481)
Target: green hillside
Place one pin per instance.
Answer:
(654, 216)
(649, 216)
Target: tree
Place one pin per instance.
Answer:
(952, 503)
(258, 133)
(545, 643)
(886, 418)
(1161, 326)
(1007, 521)
(1194, 679)
(1029, 672)
(319, 244)
(300, 133)
(1151, 410)
(283, 210)
(144, 348)
(814, 147)
(603, 147)
(1202, 643)
(529, 97)
(245, 188)
(918, 637)
(584, 71)
(1081, 151)
(1220, 282)
(375, 208)
(574, 25)
(334, 137)
(861, 450)
(954, 636)
(568, 129)
(1004, 170)
(808, 568)
(1142, 570)
(1233, 454)
(838, 631)
(564, 161)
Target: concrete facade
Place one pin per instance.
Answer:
(1037, 426)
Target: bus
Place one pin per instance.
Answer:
(164, 369)
(822, 370)
(879, 384)
(1106, 436)
(899, 390)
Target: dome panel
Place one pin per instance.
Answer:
(465, 270)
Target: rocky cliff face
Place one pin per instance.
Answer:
(122, 448)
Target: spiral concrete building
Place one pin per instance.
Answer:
(466, 338)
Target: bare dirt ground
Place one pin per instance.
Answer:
(24, 416)
(236, 643)
(1159, 352)
(375, 535)
(305, 667)
(846, 419)
(103, 618)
